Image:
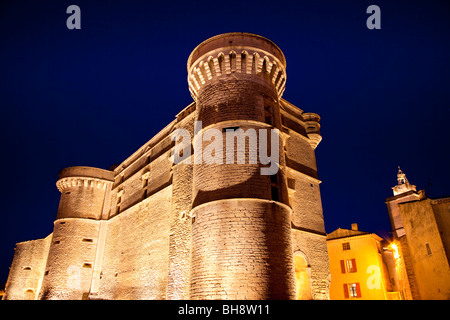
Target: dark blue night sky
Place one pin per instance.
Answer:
(93, 96)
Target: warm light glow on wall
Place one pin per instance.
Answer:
(395, 249)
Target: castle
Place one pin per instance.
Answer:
(155, 228)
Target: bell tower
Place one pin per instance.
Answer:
(404, 192)
(403, 184)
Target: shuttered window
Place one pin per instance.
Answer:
(342, 266)
(348, 266)
(352, 290)
(351, 265)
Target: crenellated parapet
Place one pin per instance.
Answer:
(240, 54)
(84, 177)
(80, 182)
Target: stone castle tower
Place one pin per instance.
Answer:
(157, 229)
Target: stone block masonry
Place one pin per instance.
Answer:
(152, 228)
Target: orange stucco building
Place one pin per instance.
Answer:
(362, 266)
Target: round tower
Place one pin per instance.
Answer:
(241, 232)
(70, 262)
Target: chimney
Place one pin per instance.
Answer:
(354, 226)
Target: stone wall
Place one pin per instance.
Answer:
(242, 250)
(426, 248)
(137, 251)
(71, 257)
(27, 269)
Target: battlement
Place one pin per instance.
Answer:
(79, 182)
(236, 53)
(83, 176)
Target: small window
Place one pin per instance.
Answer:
(274, 179)
(268, 115)
(274, 187)
(87, 265)
(274, 193)
(351, 265)
(88, 240)
(26, 268)
(57, 242)
(348, 266)
(346, 246)
(68, 192)
(352, 290)
(230, 129)
(62, 222)
(46, 273)
(427, 245)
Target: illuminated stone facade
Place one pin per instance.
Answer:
(422, 231)
(155, 229)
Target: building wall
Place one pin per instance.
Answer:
(27, 269)
(71, 255)
(242, 250)
(441, 210)
(394, 212)
(135, 260)
(314, 248)
(406, 270)
(428, 254)
(371, 272)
